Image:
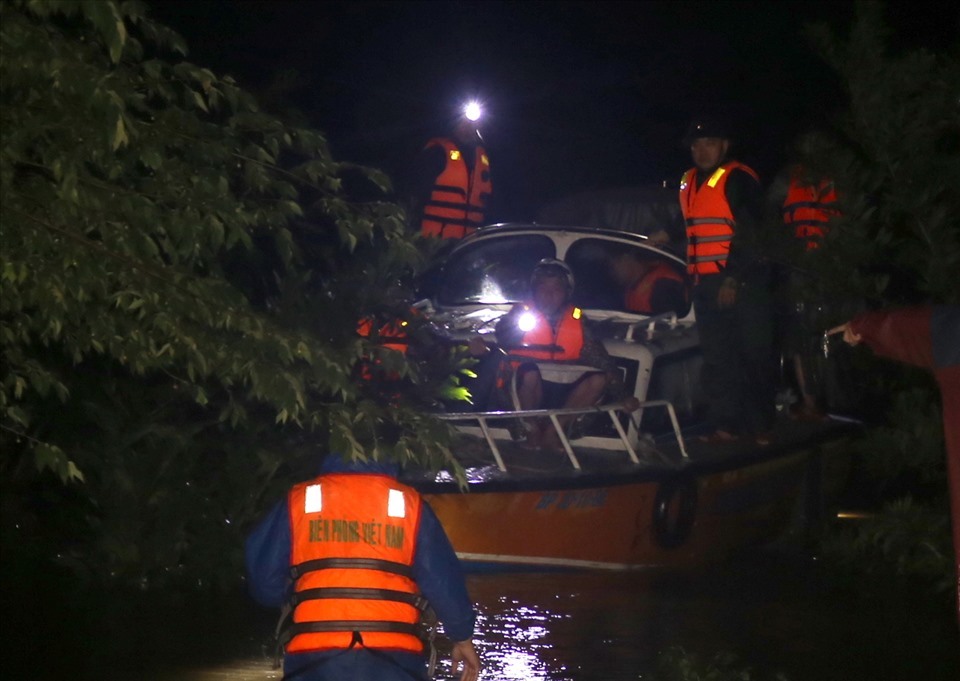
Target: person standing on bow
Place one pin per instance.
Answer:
(550, 328)
(356, 557)
(722, 203)
(805, 202)
(453, 184)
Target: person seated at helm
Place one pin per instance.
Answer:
(548, 327)
(650, 285)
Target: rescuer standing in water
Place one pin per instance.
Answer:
(355, 557)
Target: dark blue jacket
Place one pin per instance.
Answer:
(436, 570)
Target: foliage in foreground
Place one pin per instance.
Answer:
(181, 277)
(905, 539)
(895, 158)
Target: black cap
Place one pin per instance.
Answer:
(705, 127)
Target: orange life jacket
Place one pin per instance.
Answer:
(458, 201)
(392, 336)
(809, 208)
(568, 335)
(353, 542)
(708, 218)
(640, 297)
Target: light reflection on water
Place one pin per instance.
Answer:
(555, 626)
(511, 639)
(776, 615)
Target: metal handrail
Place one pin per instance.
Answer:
(483, 417)
(669, 318)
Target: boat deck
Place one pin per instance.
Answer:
(657, 457)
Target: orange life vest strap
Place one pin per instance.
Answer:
(347, 563)
(416, 600)
(817, 205)
(356, 626)
(710, 221)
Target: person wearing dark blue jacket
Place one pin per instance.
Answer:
(435, 570)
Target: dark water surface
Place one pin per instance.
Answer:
(775, 612)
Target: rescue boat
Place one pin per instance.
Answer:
(632, 486)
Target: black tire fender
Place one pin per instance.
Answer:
(674, 511)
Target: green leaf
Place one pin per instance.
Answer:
(119, 134)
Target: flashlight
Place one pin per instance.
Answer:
(472, 111)
(527, 321)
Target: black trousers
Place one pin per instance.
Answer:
(739, 368)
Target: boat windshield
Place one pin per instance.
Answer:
(622, 277)
(610, 274)
(493, 271)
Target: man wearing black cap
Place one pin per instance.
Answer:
(721, 201)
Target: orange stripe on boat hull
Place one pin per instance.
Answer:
(613, 526)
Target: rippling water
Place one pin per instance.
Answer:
(776, 613)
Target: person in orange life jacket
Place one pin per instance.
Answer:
(808, 206)
(721, 202)
(804, 202)
(422, 342)
(651, 286)
(453, 187)
(392, 336)
(355, 552)
(549, 327)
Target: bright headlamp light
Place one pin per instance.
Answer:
(527, 321)
(472, 111)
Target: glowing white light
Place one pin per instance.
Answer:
(472, 111)
(527, 321)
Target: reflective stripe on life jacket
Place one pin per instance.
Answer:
(458, 201)
(568, 336)
(708, 218)
(809, 208)
(353, 542)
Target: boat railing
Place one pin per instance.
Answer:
(483, 419)
(669, 319)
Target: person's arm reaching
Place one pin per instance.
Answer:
(900, 334)
(436, 569)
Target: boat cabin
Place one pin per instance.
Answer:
(654, 344)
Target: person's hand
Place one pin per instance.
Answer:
(849, 336)
(728, 293)
(464, 653)
(477, 347)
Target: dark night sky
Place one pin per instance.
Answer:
(580, 95)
